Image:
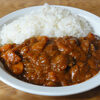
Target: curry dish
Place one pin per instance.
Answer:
(53, 61)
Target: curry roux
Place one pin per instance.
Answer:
(53, 61)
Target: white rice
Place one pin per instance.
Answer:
(49, 21)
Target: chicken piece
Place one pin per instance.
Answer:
(24, 50)
(30, 41)
(59, 63)
(78, 72)
(11, 57)
(51, 50)
(28, 67)
(17, 68)
(52, 76)
(36, 76)
(43, 59)
(32, 57)
(72, 42)
(38, 46)
(5, 47)
(74, 72)
(42, 38)
(63, 48)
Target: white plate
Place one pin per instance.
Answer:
(51, 91)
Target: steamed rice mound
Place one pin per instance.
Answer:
(49, 21)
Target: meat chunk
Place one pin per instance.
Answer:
(43, 59)
(11, 57)
(51, 50)
(79, 72)
(74, 71)
(63, 48)
(52, 76)
(5, 47)
(42, 38)
(31, 57)
(30, 41)
(28, 67)
(36, 77)
(59, 63)
(17, 68)
(38, 46)
(24, 50)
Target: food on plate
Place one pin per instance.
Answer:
(53, 61)
(50, 47)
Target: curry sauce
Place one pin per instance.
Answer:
(48, 61)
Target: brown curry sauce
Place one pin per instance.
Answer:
(53, 61)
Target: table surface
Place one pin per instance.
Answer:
(7, 6)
